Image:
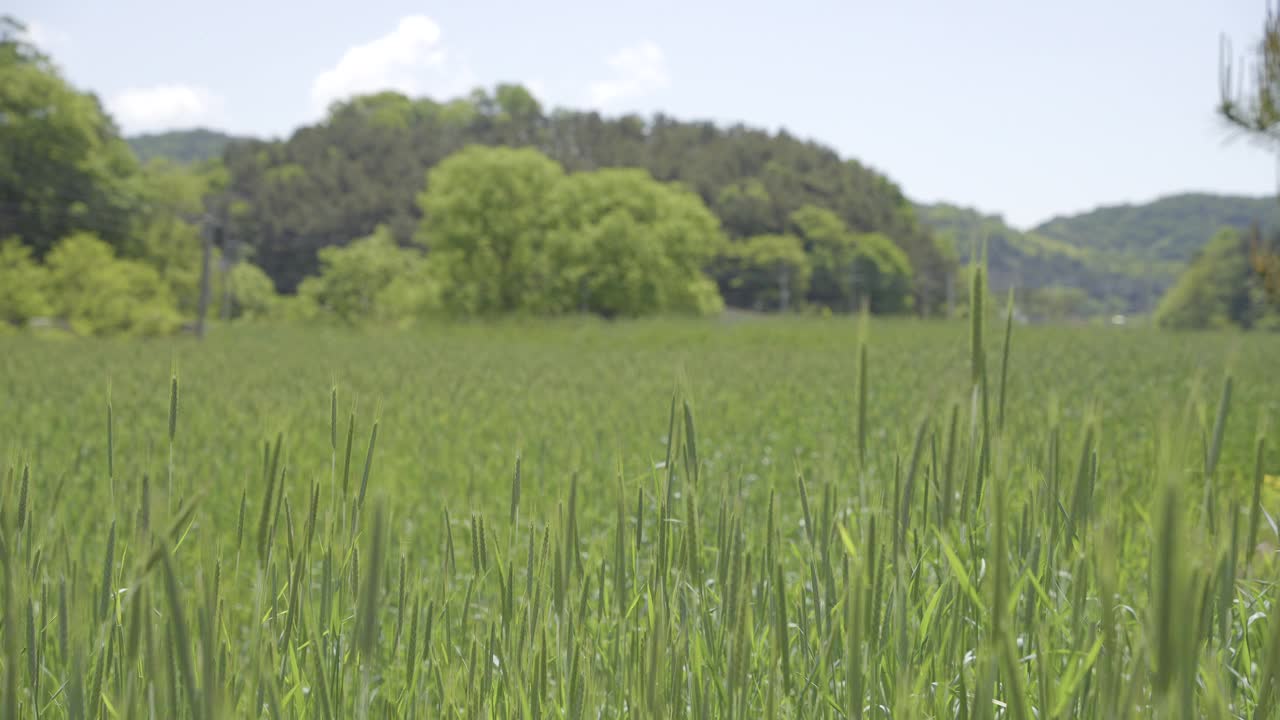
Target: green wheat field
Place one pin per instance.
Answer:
(663, 519)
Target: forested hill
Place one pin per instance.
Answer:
(1031, 262)
(1169, 230)
(366, 163)
(1016, 259)
(183, 146)
(1122, 257)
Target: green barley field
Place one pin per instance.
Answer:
(748, 518)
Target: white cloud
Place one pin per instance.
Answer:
(409, 59)
(163, 107)
(637, 71)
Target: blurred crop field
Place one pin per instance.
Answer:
(659, 518)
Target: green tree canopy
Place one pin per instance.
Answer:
(745, 207)
(766, 272)
(630, 245)
(63, 166)
(167, 235)
(363, 166)
(371, 279)
(513, 233)
(849, 267)
(24, 284)
(834, 254)
(886, 271)
(251, 294)
(487, 213)
(187, 147)
(97, 293)
(1216, 290)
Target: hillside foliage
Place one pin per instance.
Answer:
(192, 146)
(1220, 288)
(1119, 259)
(364, 166)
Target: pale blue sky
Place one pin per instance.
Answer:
(1028, 109)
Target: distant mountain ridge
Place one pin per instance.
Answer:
(182, 146)
(1029, 261)
(1123, 256)
(1169, 229)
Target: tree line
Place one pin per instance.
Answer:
(395, 208)
(89, 237)
(362, 167)
(480, 205)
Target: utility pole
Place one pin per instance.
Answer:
(209, 229)
(853, 287)
(230, 250)
(784, 287)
